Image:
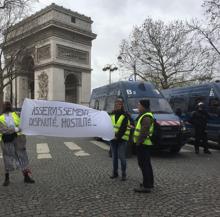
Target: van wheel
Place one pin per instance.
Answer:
(175, 150)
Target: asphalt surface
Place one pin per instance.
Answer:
(72, 179)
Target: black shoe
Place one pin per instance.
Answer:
(6, 182)
(28, 179)
(123, 178)
(114, 176)
(141, 185)
(142, 190)
(207, 152)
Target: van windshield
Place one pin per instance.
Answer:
(157, 105)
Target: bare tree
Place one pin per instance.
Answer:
(5, 4)
(166, 54)
(212, 9)
(208, 29)
(11, 12)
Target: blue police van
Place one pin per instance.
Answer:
(184, 100)
(169, 128)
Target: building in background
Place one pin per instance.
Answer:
(55, 61)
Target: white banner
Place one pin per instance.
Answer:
(61, 119)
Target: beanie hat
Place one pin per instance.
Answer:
(145, 103)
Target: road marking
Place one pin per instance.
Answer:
(77, 149)
(72, 146)
(44, 156)
(43, 151)
(42, 148)
(213, 150)
(101, 145)
(185, 150)
(81, 153)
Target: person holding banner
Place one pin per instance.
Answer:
(120, 123)
(13, 144)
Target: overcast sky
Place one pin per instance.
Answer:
(114, 21)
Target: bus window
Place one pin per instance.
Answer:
(214, 106)
(110, 103)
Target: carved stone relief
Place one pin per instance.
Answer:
(43, 53)
(43, 86)
(72, 54)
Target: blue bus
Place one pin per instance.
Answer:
(169, 128)
(184, 100)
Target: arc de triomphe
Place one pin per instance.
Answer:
(56, 56)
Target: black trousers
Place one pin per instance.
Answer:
(201, 139)
(144, 162)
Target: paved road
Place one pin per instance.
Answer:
(72, 179)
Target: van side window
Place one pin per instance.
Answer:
(193, 101)
(110, 103)
(96, 105)
(179, 103)
(101, 103)
(214, 106)
(92, 103)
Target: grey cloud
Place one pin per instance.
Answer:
(114, 20)
(114, 7)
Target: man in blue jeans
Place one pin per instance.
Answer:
(120, 123)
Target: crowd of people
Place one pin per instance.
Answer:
(13, 142)
(143, 130)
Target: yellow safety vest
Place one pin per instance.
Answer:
(16, 119)
(118, 124)
(136, 134)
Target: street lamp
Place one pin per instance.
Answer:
(111, 68)
(135, 72)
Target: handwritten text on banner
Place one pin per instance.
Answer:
(61, 119)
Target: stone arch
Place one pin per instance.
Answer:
(47, 53)
(27, 72)
(71, 88)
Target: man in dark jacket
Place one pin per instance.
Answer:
(119, 143)
(199, 121)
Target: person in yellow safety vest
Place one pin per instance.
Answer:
(143, 130)
(120, 123)
(13, 147)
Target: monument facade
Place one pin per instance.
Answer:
(55, 56)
